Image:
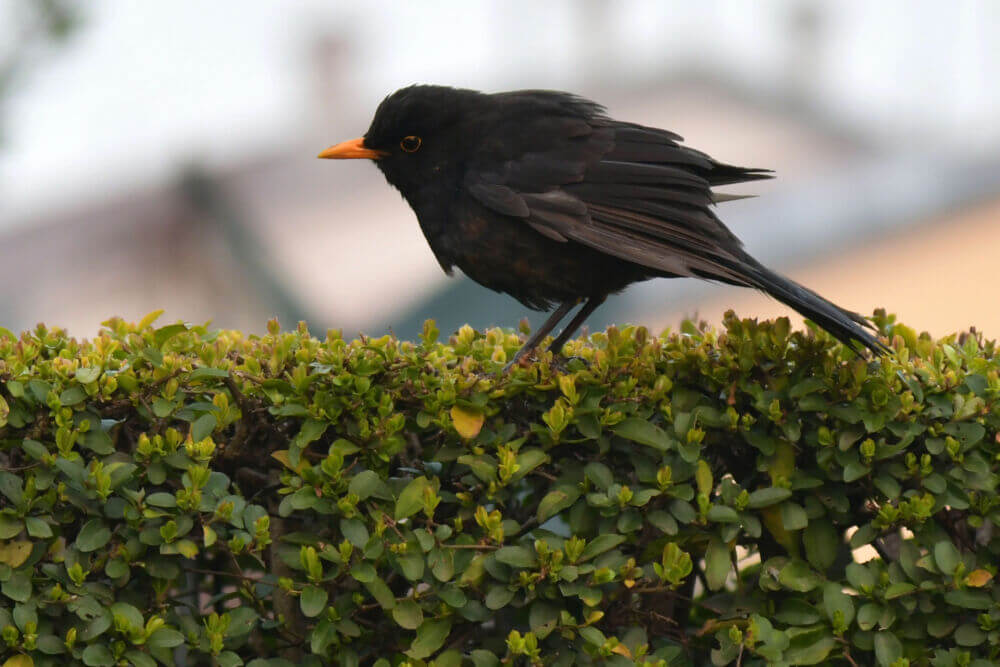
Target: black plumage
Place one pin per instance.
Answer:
(541, 195)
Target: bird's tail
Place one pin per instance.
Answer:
(848, 327)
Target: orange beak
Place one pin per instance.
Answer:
(355, 148)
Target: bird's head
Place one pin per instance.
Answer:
(415, 134)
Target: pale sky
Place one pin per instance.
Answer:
(145, 86)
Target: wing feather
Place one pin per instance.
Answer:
(626, 190)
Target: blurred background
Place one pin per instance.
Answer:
(162, 155)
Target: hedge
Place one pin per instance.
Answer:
(190, 496)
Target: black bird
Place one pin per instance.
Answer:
(540, 194)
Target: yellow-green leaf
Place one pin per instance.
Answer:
(19, 661)
(281, 455)
(978, 578)
(467, 422)
(15, 553)
(411, 498)
(149, 319)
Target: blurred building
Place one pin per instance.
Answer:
(864, 220)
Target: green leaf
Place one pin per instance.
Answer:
(363, 572)
(25, 614)
(798, 576)
(313, 600)
(483, 658)
(98, 655)
(854, 471)
(98, 624)
(366, 484)
(93, 536)
(484, 467)
(430, 637)
(517, 556)
(805, 387)
(354, 531)
(203, 426)
(163, 334)
(768, 496)
(205, 372)
(17, 587)
(51, 645)
(793, 517)
(969, 599)
(946, 556)
(682, 511)
(166, 638)
(599, 474)
(821, 542)
(162, 407)
(72, 396)
(718, 564)
(87, 374)
(10, 526)
(528, 460)
(722, 514)
(498, 597)
(556, 501)
(131, 615)
(888, 648)
(161, 499)
(968, 634)
(592, 635)
(411, 499)
(898, 590)
(599, 545)
(11, 486)
(868, 615)
(794, 611)
(241, 621)
(311, 431)
(543, 618)
(381, 592)
(662, 521)
(324, 634)
(641, 431)
(810, 650)
(703, 477)
(408, 614)
(834, 600)
(941, 625)
(412, 566)
(442, 563)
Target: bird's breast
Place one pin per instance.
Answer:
(507, 255)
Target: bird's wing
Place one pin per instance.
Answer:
(623, 189)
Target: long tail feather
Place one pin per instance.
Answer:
(848, 327)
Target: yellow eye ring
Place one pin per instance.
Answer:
(410, 144)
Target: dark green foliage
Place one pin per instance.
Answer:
(194, 495)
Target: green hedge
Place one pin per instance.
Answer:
(182, 495)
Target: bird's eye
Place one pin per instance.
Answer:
(410, 144)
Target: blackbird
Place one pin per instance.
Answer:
(541, 195)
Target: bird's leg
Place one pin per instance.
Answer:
(574, 324)
(541, 332)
